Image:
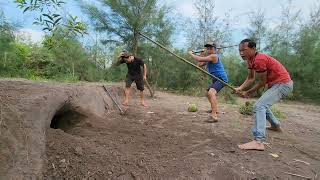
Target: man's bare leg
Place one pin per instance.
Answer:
(142, 99)
(126, 96)
(253, 145)
(214, 104)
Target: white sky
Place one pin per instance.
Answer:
(239, 11)
(26, 34)
(240, 7)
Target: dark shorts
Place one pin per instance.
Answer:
(137, 79)
(217, 85)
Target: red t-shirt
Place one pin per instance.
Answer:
(276, 72)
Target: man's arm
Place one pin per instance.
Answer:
(145, 71)
(202, 54)
(261, 83)
(120, 61)
(249, 80)
(201, 64)
(212, 57)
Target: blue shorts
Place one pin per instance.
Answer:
(217, 85)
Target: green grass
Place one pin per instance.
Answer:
(247, 109)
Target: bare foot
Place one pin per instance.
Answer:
(274, 128)
(125, 103)
(213, 118)
(210, 111)
(253, 145)
(143, 104)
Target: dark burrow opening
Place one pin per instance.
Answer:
(66, 119)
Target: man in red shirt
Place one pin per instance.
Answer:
(271, 72)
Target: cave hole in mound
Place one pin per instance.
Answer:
(66, 118)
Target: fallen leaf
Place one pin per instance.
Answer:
(274, 155)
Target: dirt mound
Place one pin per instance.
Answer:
(29, 109)
(74, 131)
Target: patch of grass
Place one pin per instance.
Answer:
(247, 109)
(228, 96)
(277, 113)
(291, 97)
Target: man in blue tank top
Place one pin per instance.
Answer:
(215, 67)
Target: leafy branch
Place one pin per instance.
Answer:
(50, 18)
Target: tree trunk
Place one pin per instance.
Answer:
(135, 42)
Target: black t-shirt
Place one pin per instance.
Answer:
(134, 68)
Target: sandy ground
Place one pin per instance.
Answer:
(164, 141)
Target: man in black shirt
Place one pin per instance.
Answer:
(134, 65)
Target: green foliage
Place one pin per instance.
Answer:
(207, 25)
(67, 62)
(277, 113)
(235, 67)
(247, 109)
(178, 76)
(228, 96)
(257, 29)
(6, 35)
(125, 19)
(51, 20)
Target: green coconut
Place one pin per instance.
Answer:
(192, 108)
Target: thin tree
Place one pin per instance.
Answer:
(281, 38)
(257, 29)
(123, 20)
(207, 26)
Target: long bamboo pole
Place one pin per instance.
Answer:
(223, 47)
(186, 61)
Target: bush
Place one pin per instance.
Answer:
(247, 109)
(228, 96)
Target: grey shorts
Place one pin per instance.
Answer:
(137, 79)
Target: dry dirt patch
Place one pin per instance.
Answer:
(56, 130)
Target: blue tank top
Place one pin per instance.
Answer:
(217, 69)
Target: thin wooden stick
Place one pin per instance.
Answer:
(149, 87)
(297, 175)
(27, 147)
(298, 160)
(306, 153)
(112, 98)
